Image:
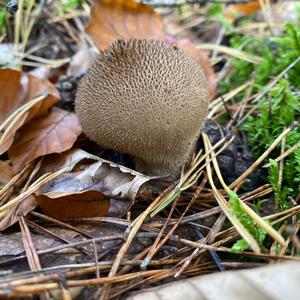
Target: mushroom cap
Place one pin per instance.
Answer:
(147, 99)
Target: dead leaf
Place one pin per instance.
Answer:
(51, 163)
(123, 19)
(279, 281)
(236, 10)
(22, 209)
(17, 89)
(54, 133)
(203, 60)
(83, 190)
(68, 159)
(72, 205)
(8, 135)
(6, 173)
(84, 193)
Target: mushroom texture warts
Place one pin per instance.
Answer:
(147, 99)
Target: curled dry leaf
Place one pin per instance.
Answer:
(280, 282)
(84, 192)
(68, 160)
(22, 209)
(113, 19)
(203, 60)
(17, 89)
(54, 133)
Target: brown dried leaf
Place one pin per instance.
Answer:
(203, 60)
(72, 205)
(236, 10)
(6, 173)
(52, 163)
(54, 133)
(17, 89)
(114, 19)
(7, 137)
(83, 193)
(280, 281)
(68, 159)
(22, 209)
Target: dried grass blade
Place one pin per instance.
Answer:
(232, 52)
(255, 217)
(224, 206)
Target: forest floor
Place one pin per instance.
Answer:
(76, 220)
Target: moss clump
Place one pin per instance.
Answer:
(278, 110)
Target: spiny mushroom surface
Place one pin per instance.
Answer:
(147, 99)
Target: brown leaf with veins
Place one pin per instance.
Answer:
(69, 159)
(112, 234)
(18, 88)
(123, 19)
(8, 135)
(54, 133)
(84, 192)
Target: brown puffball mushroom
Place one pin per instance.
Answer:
(147, 99)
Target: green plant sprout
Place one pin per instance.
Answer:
(69, 5)
(255, 230)
(3, 17)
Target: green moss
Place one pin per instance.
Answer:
(277, 54)
(278, 110)
(280, 193)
